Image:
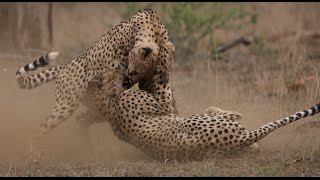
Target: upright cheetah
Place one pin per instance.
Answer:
(143, 33)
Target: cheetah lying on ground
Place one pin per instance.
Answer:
(145, 119)
(140, 36)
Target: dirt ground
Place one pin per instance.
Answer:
(21, 117)
(23, 110)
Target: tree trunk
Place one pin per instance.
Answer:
(24, 26)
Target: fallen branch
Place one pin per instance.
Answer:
(241, 40)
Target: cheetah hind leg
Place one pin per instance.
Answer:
(91, 116)
(60, 113)
(68, 97)
(85, 120)
(255, 147)
(231, 115)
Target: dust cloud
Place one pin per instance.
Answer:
(22, 111)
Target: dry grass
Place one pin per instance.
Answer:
(254, 81)
(266, 164)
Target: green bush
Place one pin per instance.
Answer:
(190, 22)
(261, 48)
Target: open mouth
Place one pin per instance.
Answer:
(133, 73)
(127, 83)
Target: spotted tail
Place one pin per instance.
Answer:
(33, 81)
(256, 135)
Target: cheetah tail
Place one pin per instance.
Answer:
(263, 131)
(33, 81)
(42, 61)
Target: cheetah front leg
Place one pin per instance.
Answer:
(231, 115)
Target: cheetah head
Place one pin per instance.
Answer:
(145, 63)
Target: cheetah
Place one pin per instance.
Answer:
(143, 33)
(145, 120)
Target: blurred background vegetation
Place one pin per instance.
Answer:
(191, 22)
(280, 33)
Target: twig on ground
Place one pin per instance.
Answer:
(295, 160)
(227, 46)
(9, 169)
(69, 167)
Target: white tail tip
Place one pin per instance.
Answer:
(53, 55)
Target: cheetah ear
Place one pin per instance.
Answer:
(171, 46)
(147, 51)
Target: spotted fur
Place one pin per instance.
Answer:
(146, 121)
(142, 33)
